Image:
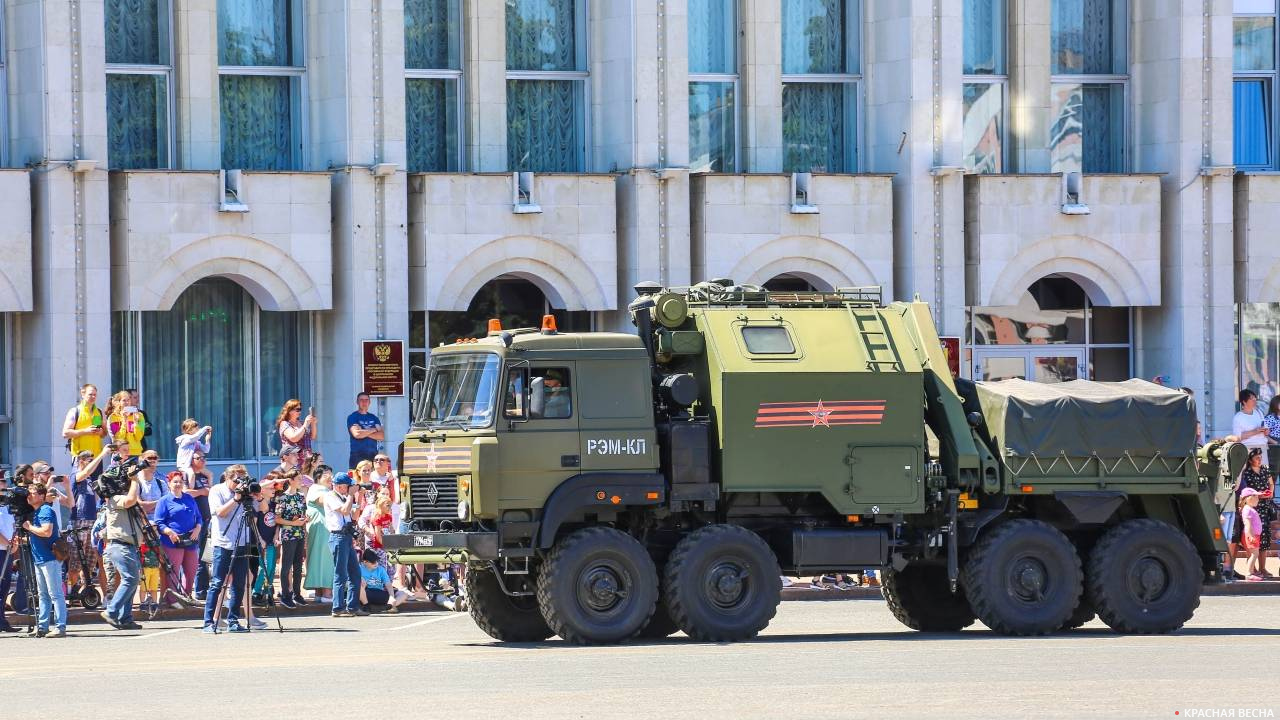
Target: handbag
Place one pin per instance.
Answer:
(61, 550)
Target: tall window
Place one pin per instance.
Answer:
(217, 358)
(139, 70)
(260, 83)
(820, 80)
(1089, 63)
(6, 418)
(713, 85)
(546, 85)
(433, 84)
(986, 81)
(1253, 92)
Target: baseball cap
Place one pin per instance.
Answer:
(1248, 492)
(288, 450)
(85, 455)
(342, 479)
(41, 468)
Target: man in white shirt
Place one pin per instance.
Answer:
(229, 535)
(1247, 424)
(339, 518)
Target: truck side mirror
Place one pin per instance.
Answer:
(415, 392)
(516, 396)
(537, 398)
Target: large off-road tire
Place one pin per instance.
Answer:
(1145, 577)
(1023, 578)
(502, 617)
(90, 598)
(597, 586)
(721, 584)
(920, 597)
(660, 625)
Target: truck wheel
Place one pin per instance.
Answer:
(598, 585)
(502, 617)
(1145, 577)
(919, 596)
(660, 625)
(722, 584)
(1023, 578)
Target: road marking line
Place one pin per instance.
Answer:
(158, 634)
(429, 620)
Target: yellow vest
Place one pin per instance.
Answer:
(84, 420)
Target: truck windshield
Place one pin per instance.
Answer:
(461, 389)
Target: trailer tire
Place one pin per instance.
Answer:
(500, 616)
(920, 598)
(1145, 577)
(722, 583)
(597, 586)
(1023, 578)
(660, 625)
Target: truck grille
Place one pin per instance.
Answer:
(434, 497)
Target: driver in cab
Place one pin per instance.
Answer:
(555, 396)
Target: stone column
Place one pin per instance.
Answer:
(484, 66)
(1183, 128)
(1029, 88)
(761, 86)
(913, 107)
(195, 79)
(357, 85)
(58, 92)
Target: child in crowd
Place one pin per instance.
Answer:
(375, 584)
(189, 442)
(150, 586)
(1251, 538)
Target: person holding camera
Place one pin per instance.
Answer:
(84, 426)
(42, 530)
(198, 482)
(229, 502)
(291, 516)
(178, 521)
(339, 517)
(150, 488)
(123, 537)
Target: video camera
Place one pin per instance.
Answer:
(14, 500)
(116, 480)
(245, 490)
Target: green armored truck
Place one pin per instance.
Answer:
(603, 486)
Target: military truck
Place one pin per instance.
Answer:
(602, 486)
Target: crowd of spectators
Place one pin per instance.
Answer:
(301, 534)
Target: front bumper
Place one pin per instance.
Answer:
(441, 547)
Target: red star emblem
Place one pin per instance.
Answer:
(820, 415)
(432, 457)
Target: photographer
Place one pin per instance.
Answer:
(229, 535)
(43, 533)
(123, 539)
(339, 518)
(150, 488)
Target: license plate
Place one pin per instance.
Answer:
(424, 540)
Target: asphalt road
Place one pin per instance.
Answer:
(817, 660)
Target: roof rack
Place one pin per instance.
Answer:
(709, 294)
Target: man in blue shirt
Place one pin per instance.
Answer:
(366, 431)
(42, 532)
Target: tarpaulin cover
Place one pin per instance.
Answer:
(1082, 417)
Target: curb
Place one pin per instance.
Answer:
(80, 616)
(808, 594)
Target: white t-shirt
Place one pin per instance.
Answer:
(397, 507)
(227, 532)
(1244, 422)
(6, 528)
(333, 520)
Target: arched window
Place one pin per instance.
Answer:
(218, 358)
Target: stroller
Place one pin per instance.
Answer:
(85, 592)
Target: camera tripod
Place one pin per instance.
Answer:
(26, 573)
(151, 537)
(245, 552)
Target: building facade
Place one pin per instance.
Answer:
(216, 201)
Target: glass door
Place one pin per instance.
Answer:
(1040, 364)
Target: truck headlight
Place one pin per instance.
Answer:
(464, 510)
